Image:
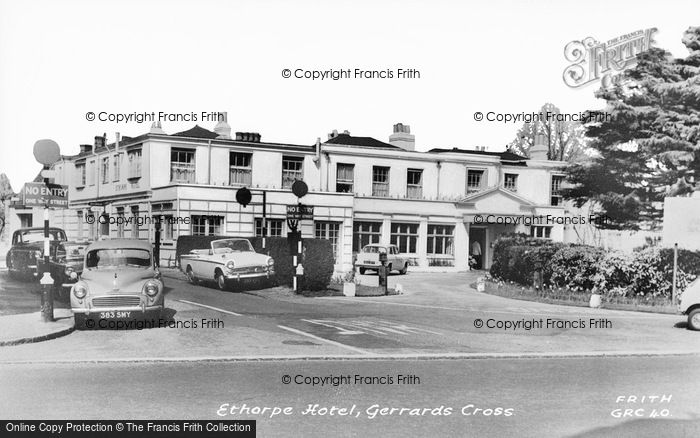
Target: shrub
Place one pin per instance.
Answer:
(615, 274)
(576, 267)
(278, 249)
(516, 257)
(318, 263)
(688, 261)
(653, 273)
(501, 264)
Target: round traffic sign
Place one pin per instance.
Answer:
(243, 196)
(46, 151)
(299, 188)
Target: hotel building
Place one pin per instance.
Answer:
(363, 191)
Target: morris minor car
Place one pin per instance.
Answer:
(119, 281)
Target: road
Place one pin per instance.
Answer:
(545, 397)
(561, 380)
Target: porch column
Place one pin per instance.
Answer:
(422, 242)
(386, 231)
(461, 244)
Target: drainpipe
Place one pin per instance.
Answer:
(209, 164)
(328, 169)
(439, 166)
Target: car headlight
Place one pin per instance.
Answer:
(79, 290)
(230, 265)
(151, 288)
(68, 271)
(270, 262)
(37, 254)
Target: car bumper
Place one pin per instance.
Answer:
(238, 276)
(139, 310)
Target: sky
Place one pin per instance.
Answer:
(60, 60)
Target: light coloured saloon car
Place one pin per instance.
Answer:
(368, 258)
(119, 282)
(690, 304)
(227, 262)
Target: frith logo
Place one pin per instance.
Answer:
(592, 60)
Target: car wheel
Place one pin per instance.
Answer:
(190, 275)
(362, 271)
(405, 268)
(220, 281)
(79, 321)
(694, 319)
(388, 269)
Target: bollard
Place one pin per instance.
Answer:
(383, 273)
(46, 297)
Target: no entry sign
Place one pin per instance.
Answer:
(40, 195)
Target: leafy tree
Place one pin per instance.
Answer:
(649, 146)
(565, 139)
(5, 194)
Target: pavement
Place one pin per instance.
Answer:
(29, 327)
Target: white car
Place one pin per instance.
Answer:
(368, 258)
(690, 304)
(227, 261)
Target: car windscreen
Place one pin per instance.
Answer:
(237, 245)
(374, 249)
(38, 236)
(118, 257)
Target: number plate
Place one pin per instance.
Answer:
(115, 315)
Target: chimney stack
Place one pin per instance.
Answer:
(99, 142)
(85, 148)
(156, 128)
(403, 138)
(250, 137)
(222, 128)
(539, 150)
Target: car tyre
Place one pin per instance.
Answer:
(405, 268)
(362, 271)
(388, 269)
(190, 275)
(79, 321)
(694, 319)
(220, 281)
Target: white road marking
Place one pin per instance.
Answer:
(376, 326)
(328, 324)
(584, 311)
(328, 341)
(210, 307)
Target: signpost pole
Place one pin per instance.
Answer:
(47, 153)
(46, 280)
(675, 273)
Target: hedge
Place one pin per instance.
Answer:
(584, 268)
(516, 257)
(317, 259)
(576, 267)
